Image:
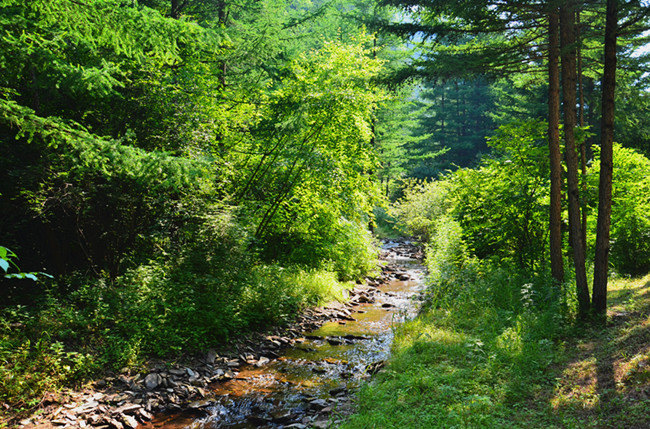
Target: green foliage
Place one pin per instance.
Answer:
(7, 260)
(500, 206)
(31, 366)
(188, 180)
(630, 225)
(481, 346)
(423, 203)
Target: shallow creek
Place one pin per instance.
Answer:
(311, 383)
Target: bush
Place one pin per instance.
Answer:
(421, 205)
(28, 368)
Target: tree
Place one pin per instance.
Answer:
(601, 259)
(568, 58)
(555, 156)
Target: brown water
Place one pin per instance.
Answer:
(328, 365)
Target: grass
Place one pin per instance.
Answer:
(482, 367)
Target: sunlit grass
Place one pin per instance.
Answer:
(469, 370)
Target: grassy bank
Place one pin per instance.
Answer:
(482, 367)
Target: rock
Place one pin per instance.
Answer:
(210, 356)
(86, 408)
(152, 381)
(191, 373)
(374, 367)
(177, 372)
(387, 305)
(281, 417)
(355, 337)
(127, 409)
(364, 299)
(144, 415)
(129, 421)
(337, 390)
(114, 423)
(262, 361)
(95, 419)
(318, 404)
(335, 341)
(200, 404)
(320, 424)
(196, 382)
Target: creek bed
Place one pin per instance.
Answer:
(311, 383)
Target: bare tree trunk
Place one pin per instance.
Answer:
(601, 259)
(581, 121)
(555, 156)
(568, 57)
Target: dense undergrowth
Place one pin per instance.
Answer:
(211, 292)
(497, 343)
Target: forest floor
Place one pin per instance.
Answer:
(450, 374)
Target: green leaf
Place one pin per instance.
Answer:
(4, 264)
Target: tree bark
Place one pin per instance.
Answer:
(568, 58)
(581, 122)
(555, 156)
(601, 259)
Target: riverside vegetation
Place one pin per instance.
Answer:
(176, 175)
(497, 344)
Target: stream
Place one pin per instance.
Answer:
(311, 384)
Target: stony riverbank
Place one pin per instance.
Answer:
(130, 398)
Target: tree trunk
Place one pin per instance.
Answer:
(176, 7)
(581, 121)
(568, 57)
(555, 156)
(601, 259)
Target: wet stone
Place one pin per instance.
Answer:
(318, 404)
(281, 416)
(335, 341)
(152, 381)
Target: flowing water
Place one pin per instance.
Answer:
(311, 383)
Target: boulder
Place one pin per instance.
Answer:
(152, 381)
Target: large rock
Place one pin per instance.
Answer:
(152, 381)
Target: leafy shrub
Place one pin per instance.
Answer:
(421, 205)
(28, 368)
(502, 206)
